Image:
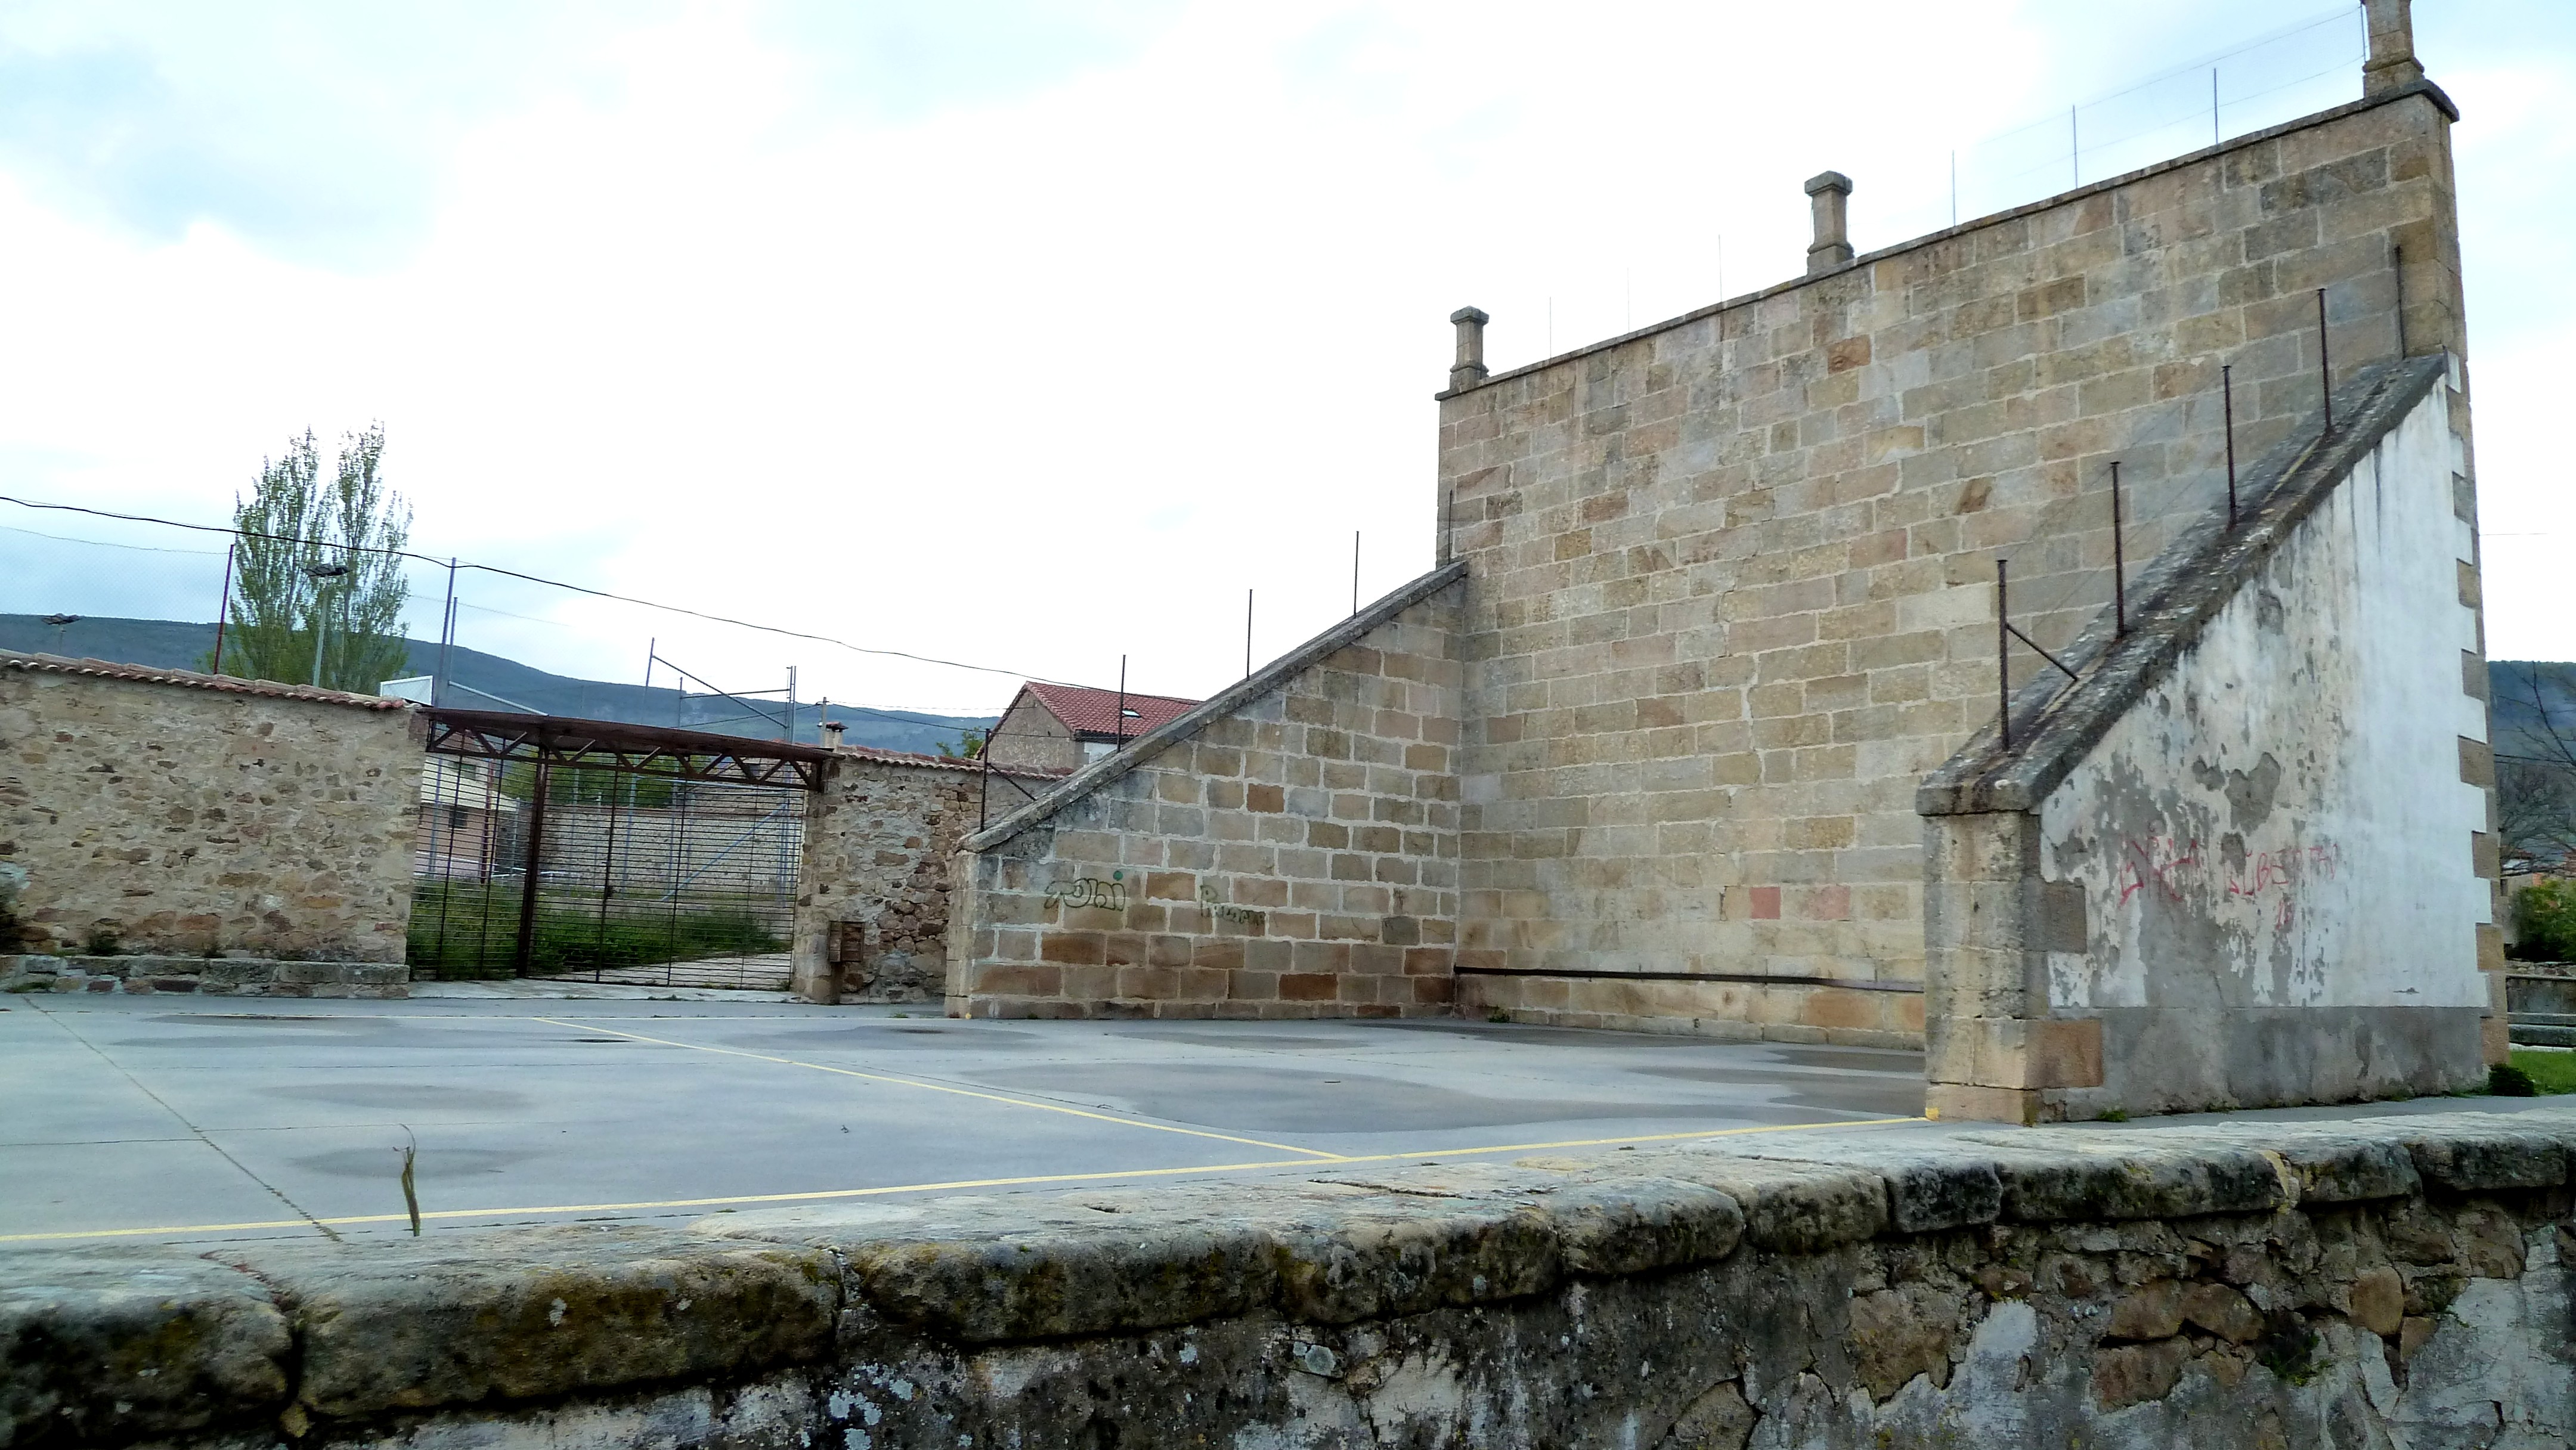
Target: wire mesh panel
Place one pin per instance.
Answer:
(526, 869)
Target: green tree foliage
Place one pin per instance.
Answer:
(969, 745)
(575, 786)
(295, 522)
(2544, 917)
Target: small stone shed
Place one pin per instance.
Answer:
(173, 812)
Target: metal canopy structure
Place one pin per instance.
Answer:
(633, 749)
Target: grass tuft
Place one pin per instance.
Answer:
(2545, 1072)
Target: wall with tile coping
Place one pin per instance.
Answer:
(187, 813)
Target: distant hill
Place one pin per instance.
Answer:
(484, 681)
(2511, 685)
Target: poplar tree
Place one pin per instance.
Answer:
(297, 528)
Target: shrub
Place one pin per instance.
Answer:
(2544, 916)
(2508, 1081)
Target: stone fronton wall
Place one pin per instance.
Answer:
(2395, 1281)
(2256, 871)
(1734, 575)
(872, 921)
(193, 819)
(1289, 854)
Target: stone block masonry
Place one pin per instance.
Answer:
(1733, 574)
(2393, 1281)
(881, 837)
(1287, 849)
(183, 813)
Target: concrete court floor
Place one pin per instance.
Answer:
(181, 1119)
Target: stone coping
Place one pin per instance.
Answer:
(1227, 701)
(2171, 600)
(121, 1344)
(2440, 100)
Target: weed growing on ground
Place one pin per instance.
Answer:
(470, 930)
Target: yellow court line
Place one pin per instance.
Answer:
(826, 1193)
(1319, 1154)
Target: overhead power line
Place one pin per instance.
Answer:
(550, 583)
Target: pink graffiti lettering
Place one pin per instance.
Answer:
(2284, 869)
(2158, 859)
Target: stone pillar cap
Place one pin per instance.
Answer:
(1828, 181)
(1469, 314)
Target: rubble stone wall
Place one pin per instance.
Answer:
(880, 837)
(188, 814)
(2401, 1280)
(1734, 574)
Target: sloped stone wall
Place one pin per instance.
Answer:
(1288, 849)
(2246, 860)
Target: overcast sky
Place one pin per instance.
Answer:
(1033, 335)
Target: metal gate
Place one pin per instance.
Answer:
(606, 852)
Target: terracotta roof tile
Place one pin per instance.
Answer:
(190, 679)
(1083, 709)
(931, 762)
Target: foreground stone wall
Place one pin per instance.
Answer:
(2401, 1280)
(2246, 859)
(1733, 573)
(872, 920)
(1288, 849)
(190, 814)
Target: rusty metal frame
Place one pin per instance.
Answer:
(652, 750)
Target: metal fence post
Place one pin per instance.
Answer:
(525, 951)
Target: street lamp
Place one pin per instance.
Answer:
(321, 574)
(61, 622)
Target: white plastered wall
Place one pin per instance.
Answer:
(2282, 823)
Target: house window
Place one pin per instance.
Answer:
(456, 818)
(1094, 750)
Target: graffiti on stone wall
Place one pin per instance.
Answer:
(1225, 911)
(1090, 892)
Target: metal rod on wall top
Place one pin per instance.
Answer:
(1355, 571)
(224, 608)
(447, 637)
(2397, 275)
(2227, 400)
(2325, 364)
(524, 949)
(1122, 702)
(2119, 562)
(1247, 634)
(2003, 655)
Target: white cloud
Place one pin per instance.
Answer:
(1037, 367)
